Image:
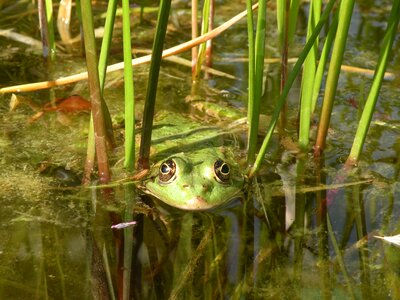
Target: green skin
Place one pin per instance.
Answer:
(204, 172)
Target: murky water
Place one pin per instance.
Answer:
(306, 230)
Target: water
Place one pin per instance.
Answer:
(305, 231)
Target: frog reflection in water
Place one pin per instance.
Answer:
(204, 174)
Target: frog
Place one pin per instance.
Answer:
(196, 165)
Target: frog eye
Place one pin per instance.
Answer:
(167, 170)
(222, 170)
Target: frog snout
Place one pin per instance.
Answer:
(204, 187)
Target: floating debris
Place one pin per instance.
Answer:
(123, 225)
(395, 239)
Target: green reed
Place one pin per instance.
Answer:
(307, 84)
(45, 12)
(323, 59)
(291, 9)
(345, 13)
(129, 90)
(95, 92)
(256, 72)
(102, 67)
(148, 112)
(292, 76)
(370, 104)
(205, 26)
(287, 12)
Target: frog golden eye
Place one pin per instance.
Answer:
(222, 170)
(167, 170)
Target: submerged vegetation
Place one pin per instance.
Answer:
(320, 185)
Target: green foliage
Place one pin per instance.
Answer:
(256, 69)
(129, 91)
(370, 104)
(292, 76)
(309, 71)
(148, 112)
(345, 13)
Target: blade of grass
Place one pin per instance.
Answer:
(194, 34)
(95, 92)
(287, 21)
(289, 82)
(148, 112)
(293, 13)
(45, 13)
(323, 60)
(202, 48)
(103, 59)
(50, 28)
(307, 84)
(209, 47)
(370, 104)
(254, 102)
(102, 68)
(281, 7)
(284, 45)
(251, 85)
(345, 13)
(129, 162)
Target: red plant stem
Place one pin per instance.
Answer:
(95, 95)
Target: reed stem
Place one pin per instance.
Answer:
(345, 13)
(309, 71)
(95, 92)
(286, 89)
(370, 104)
(129, 162)
(148, 112)
(204, 29)
(102, 69)
(257, 80)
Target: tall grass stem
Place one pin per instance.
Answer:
(102, 69)
(292, 76)
(345, 13)
(370, 104)
(204, 29)
(148, 112)
(326, 50)
(129, 162)
(95, 92)
(258, 73)
(307, 85)
(251, 150)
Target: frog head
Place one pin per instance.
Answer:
(196, 181)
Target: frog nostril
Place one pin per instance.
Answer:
(185, 186)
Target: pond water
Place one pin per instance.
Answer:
(305, 230)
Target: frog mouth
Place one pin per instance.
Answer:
(197, 203)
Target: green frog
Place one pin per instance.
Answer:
(196, 165)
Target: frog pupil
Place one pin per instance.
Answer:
(221, 170)
(225, 169)
(167, 170)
